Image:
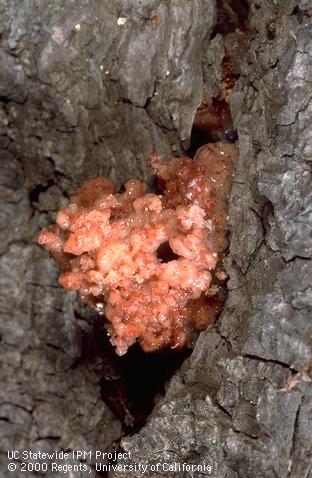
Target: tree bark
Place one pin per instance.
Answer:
(90, 88)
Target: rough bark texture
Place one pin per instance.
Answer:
(234, 404)
(81, 95)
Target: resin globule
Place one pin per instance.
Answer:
(145, 260)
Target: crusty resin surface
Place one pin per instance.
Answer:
(143, 260)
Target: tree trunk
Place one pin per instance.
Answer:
(90, 88)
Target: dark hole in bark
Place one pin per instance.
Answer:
(231, 15)
(198, 139)
(122, 189)
(212, 123)
(299, 13)
(131, 383)
(40, 188)
(271, 32)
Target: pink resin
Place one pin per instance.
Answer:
(145, 260)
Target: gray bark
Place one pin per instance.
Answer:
(242, 402)
(81, 95)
